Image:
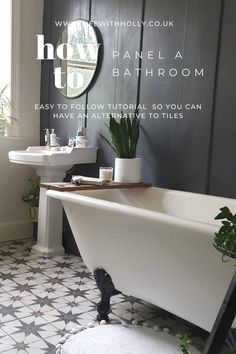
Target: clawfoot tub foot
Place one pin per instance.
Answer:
(107, 290)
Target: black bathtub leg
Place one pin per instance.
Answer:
(107, 290)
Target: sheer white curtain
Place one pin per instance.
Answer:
(10, 59)
(5, 44)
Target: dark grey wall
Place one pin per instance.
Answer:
(222, 172)
(195, 153)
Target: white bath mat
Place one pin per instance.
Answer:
(117, 339)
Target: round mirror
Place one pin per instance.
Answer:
(76, 58)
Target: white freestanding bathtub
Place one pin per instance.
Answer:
(156, 244)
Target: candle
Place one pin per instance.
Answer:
(106, 173)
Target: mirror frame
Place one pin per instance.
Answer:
(97, 63)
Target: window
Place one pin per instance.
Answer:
(9, 63)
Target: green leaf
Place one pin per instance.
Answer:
(226, 223)
(234, 219)
(225, 238)
(228, 351)
(185, 343)
(225, 214)
(5, 107)
(32, 196)
(108, 142)
(116, 137)
(124, 135)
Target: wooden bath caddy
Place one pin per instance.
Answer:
(70, 187)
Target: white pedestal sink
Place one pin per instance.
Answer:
(51, 166)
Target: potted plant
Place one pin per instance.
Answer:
(124, 139)
(225, 238)
(32, 197)
(185, 344)
(225, 242)
(6, 119)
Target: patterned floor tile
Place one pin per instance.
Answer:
(42, 298)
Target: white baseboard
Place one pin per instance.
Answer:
(16, 230)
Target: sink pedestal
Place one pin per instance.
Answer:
(49, 240)
(51, 166)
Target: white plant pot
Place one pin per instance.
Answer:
(128, 170)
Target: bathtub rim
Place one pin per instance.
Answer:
(89, 201)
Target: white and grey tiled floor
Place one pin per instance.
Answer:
(41, 298)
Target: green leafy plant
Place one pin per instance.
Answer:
(5, 108)
(228, 351)
(124, 135)
(32, 197)
(225, 238)
(185, 343)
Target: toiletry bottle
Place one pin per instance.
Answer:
(77, 139)
(53, 138)
(84, 138)
(80, 140)
(83, 141)
(71, 142)
(47, 139)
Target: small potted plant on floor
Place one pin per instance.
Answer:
(185, 344)
(6, 120)
(124, 139)
(32, 197)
